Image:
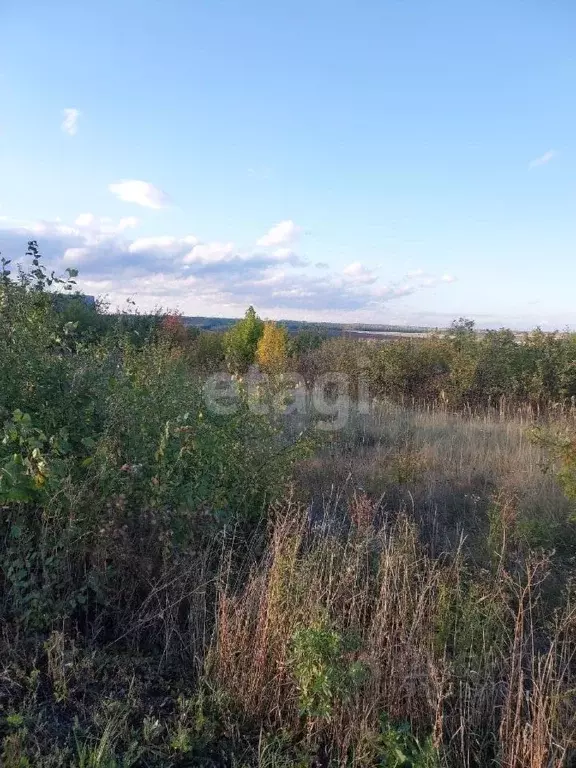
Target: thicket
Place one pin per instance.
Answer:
(114, 477)
(458, 368)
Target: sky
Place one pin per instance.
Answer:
(378, 161)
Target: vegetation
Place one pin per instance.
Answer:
(241, 341)
(181, 586)
(272, 349)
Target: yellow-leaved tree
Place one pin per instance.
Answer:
(272, 349)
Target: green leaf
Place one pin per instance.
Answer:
(15, 720)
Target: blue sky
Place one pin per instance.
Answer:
(379, 161)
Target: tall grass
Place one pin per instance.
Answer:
(411, 611)
(470, 662)
(456, 473)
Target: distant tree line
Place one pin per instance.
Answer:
(458, 368)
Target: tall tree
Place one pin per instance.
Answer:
(272, 349)
(241, 341)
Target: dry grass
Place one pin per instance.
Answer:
(439, 541)
(463, 662)
(445, 469)
(412, 596)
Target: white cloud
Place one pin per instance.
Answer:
(70, 121)
(283, 233)
(75, 255)
(403, 290)
(163, 244)
(448, 279)
(48, 228)
(166, 242)
(128, 222)
(202, 277)
(140, 192)
(85, 220)
(543, 159)
(358, 273)
(287, 255)
(209, 253)
(96, 225)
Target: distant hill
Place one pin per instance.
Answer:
(327, 329)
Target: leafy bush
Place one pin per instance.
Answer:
(322, 669)
(112, 470)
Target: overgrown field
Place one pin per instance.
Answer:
(376, 572)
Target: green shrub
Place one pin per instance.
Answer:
(397, 747)
(322, 669)
(111, 467)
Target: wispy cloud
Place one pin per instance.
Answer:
(283, 233)
(262, 174)
(128, 222)
(70, 121)
(140, 192)
(543, 159)
(358, 273)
